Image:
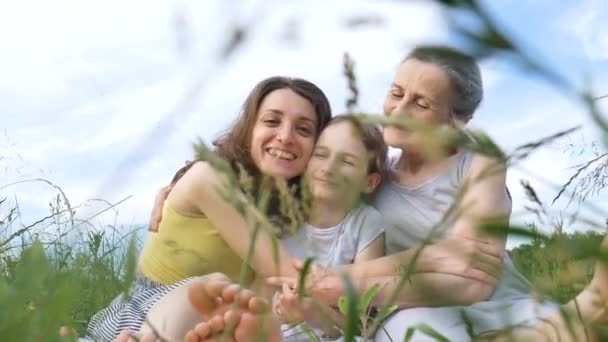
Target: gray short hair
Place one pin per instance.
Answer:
(462, 70)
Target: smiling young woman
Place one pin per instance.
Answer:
(200, 232)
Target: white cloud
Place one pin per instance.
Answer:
(88, 83)
(92, 82)
(586, 22)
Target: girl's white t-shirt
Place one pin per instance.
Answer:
(340, 244)
(337, 245)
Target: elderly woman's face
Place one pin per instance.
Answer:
(421, 91)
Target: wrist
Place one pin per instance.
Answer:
(425, 262)
(330, 289)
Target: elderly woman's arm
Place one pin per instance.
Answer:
(465, 267)
(461, 269)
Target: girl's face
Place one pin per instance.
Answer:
(283, 136)
(420, 91)
(338, 169)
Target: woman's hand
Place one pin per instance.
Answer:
(460, 256)
(157, 210)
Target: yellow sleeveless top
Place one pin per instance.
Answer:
(187, 246)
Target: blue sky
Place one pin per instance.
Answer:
(95, 94)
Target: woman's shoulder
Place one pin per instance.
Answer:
(201, 167)
(489, 175)
(480, 164)
(191, 186)
(200, 173)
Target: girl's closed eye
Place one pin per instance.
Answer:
(349, 161)
(320, 154)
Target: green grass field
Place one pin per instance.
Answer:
(63, 278)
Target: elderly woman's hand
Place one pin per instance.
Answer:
(460, 256)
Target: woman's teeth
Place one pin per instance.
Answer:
(276, 153)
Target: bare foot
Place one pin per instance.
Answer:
(237, 314)
(592, 303)
(174, 314)
(588, 309)
(209, 309)
(246, 326)
(123, 336)
(127, 336)
(600, 280)
(215, 297)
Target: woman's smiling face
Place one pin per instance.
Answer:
(283, 136)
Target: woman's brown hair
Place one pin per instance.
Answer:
(234, 144)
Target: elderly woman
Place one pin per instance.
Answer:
(445, 195)
(433, 195)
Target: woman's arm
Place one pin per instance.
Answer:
(458, 256)
(435, 279)
(201, 192)
(471, 263)
(461, 269)
(472, 257)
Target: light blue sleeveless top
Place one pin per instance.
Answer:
(413, 214)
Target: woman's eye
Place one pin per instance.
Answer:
(349, 162)
(272, 122)
(305, 131)
(319, 155)
(422, 104)
(396, 94)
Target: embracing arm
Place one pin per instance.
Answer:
(198, 192)
(461, 269)
(485, 201)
